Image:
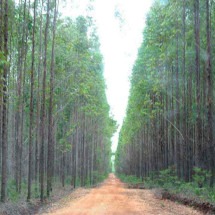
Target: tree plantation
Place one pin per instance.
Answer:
(56, 125)
(55, 122)
(169, 124)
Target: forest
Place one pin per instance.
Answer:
(168, 131)
(55, 126)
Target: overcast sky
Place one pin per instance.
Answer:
(120, 25)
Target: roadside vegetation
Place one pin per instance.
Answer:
(166, 185)
(167, 137)
(56, 125)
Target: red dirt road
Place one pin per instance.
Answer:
(113, 198)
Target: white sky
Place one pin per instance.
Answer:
(120, 40)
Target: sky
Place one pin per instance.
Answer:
(120, 25)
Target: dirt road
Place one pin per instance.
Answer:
(113, 198)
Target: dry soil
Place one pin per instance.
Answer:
(112, 197)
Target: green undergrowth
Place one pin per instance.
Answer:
(14, 196)
(167, 180)
(130, 179)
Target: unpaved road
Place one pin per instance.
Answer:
(113, 198)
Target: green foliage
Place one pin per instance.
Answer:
(130, 179)
(3, 61)
(158, 130)
(12, 194)
(64, 145)
(98, 177)
(78, 123)
(15, 196)
(35, 189)
(211, 194)
(167, 178)
(200, 176)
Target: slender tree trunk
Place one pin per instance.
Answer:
(178, 138)
(63, 162)
(50, 157)
(209, 81)
(184, 116)
(1, 72)
(197, 69)
(43, 108)
(31, 108)
(4, 110)
(37, 145)
(20, 96)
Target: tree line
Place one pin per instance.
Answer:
(55, 121)
(170, 114)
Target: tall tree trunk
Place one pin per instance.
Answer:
(22, 67)
(50, 156)
(43, 108)
(178, 138)
(197, 69)
(37, 145)
(209, 81)
(4, 110)
(31, 108)
(184, 116)
(1, 72)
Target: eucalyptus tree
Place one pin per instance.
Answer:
(4, 98)
(31, 116)
(50, 156)
(53, 103)
(170, 109)
(86, 97)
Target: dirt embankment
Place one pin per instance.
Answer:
(112, 197)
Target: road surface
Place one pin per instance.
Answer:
(113, 198)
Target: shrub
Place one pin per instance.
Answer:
(200, 176)
(131, 179)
